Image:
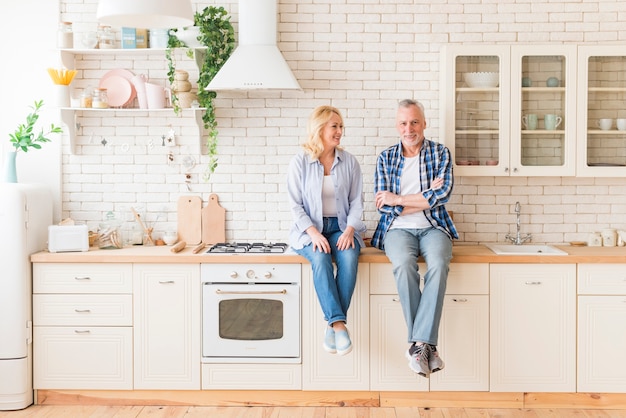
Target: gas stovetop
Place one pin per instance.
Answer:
(244, 247)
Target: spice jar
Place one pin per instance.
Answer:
(109, 234)
(65, 35)
(106, 37)
(100, 99)
(86, 98)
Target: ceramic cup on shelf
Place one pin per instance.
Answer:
(551, 122)
(621, 124)
(605, 124)
(530, 121)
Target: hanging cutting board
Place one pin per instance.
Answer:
(190, 219)
(213, 222)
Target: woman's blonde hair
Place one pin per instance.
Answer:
(318, 119)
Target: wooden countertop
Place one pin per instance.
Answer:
(460, 254)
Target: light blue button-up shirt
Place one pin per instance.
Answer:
(304, 184)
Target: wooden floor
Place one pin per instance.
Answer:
(95, 411)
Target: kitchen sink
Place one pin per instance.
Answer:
(525, 249)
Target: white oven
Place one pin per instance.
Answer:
(250, 313)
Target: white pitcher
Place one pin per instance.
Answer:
(139, 82)
(157, 96)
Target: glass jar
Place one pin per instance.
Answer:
(65, 35)
(86, 98)
(109, 233)
(106, 37)
(100, 99)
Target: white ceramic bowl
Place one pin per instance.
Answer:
(482, 79)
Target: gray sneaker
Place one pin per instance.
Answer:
(435, 363)
(418, 359)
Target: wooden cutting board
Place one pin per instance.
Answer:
(190, 219)
(213, 222)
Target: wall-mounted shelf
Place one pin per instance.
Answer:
(70, 119)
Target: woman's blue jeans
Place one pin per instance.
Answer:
(421, 309)
(333, 292)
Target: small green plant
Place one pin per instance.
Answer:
(218, 35)
(24, 136)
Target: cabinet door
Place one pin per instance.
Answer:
(601, 343)
(601, 93)
(463, 344)
(167, 326)
(324, 371)
(475, 118)
(543, 110)
(388, 344)
(83, 358)
(533, 327)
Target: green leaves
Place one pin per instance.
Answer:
(24, 137)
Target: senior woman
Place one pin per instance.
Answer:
(325, 188)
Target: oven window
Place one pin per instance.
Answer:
(251, 319)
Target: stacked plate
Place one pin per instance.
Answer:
(120, 90)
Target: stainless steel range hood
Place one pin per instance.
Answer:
(257, 63)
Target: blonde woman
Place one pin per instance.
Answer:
(325, 188)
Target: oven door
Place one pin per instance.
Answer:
(250, 321)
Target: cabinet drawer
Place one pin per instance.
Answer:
(93, 310)
(83, 358)
(82, 278)
(601, 279)
(463, 278)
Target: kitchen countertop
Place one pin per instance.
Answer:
(460, 254)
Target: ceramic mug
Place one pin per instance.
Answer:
(621, 124)
(156, 95)
(530, 121)
(551, 122)
(605, 124)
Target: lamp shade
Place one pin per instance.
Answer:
(151, 14)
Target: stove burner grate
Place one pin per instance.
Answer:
(242, 247)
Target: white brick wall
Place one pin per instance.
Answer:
(361, 57)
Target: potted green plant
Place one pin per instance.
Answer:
(218, 36)
(25, 138)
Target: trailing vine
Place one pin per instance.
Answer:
(218, 35)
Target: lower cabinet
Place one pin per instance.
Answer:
(601, 328)
(533, 327)
(167, 326)
(463, 334)
(324, 371)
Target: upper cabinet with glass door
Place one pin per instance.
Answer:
(602, 110)
(543, 106)
(474, 112)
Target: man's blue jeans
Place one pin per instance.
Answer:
(334, 293)
(421, 308)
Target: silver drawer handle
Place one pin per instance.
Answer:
(533, 283)
(82, 310)
(82, 278)
(83, 331)
(166, 281)
(459, 300)
(243, 292)
(396, 299)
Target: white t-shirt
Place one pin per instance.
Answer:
(410, 184)
(329, 202)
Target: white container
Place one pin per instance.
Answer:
(609, 238)
(158, 38)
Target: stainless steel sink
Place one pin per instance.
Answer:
(525, 249)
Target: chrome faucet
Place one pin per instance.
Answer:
(518, 239)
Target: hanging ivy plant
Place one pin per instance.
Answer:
(218, 35)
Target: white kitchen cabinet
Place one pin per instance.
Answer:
(87, 76)
(601, 328)
(533, 327)
(463, 335)
(82, 317)
(483, 126)
(167, 326)
(601, 93)
(324, 371)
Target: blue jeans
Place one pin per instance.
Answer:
(421, 309)
(334, 293)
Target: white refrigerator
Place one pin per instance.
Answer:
(25, 214)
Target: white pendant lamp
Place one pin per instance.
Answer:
(151, 14)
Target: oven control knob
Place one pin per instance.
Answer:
(267, 275)
(233, 274)
(250, 274)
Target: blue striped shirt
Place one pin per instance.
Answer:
(435, 162)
